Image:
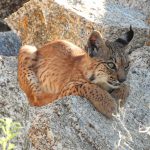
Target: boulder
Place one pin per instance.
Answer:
(9, 43)
(40, 21)
(7, 7)
(72, 122)
(143, 6)
(13, 103)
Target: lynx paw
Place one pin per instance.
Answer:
(111, 108)
(121, 94)
(107, 107)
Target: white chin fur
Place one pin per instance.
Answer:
(106, 86)
(102, 82)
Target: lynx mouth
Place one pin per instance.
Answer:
(109, 86)
(105, 84)
(114, 83)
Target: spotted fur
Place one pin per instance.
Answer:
(60, 69)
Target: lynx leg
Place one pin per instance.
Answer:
(31, 86)
(101, 99)
(121, 94)
(42, 99)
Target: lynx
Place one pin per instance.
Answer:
(61, 68)
(116, 53)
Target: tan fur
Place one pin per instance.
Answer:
(60, 69)
(114, 52)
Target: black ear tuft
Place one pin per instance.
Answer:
(130, 34)
(126, 38)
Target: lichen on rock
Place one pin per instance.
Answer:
(40, 21)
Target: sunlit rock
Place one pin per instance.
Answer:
(39, 21)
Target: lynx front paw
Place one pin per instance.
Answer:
(109, 108)
(121, 94)
(106, 107)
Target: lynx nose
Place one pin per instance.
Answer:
(121, 80)
(121, 75)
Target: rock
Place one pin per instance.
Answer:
(7, 7)
(13, 103)
(4, 26)
(9, 43)
(40, 21)
(143, 6)
(72, 122)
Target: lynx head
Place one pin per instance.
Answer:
(114, 59)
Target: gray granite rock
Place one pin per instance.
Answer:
(13, 103)
(9, 43)
(73, 123)
(141, 5)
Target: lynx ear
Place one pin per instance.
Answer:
(95, 45)
(125, 39)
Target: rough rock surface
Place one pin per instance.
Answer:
(73, 123)
(8, 6)
(9, 43)
(44, 20)
(13, 103)
(143, 6)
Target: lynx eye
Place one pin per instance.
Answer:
(111, 65)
